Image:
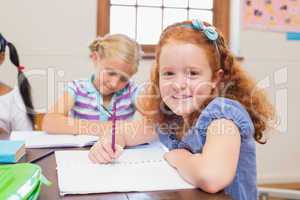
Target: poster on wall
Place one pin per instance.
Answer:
(293, 36)
(272, 15)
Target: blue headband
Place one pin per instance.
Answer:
(209, 31)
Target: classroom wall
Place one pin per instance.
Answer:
(270, 58)
(52, 38)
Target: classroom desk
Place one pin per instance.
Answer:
(48, 166)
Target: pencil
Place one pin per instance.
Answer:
(113, 134)
(106, 110)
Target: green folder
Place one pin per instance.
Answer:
(21, 181)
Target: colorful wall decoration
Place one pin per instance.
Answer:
(272, 15)
(293, 36)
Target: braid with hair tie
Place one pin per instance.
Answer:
(23, 83)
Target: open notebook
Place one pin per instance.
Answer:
(40, 139)
(142, 169)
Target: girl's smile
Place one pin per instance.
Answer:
(186, 79)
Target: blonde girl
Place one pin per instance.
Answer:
(87, 105)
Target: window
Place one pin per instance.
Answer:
(144, 20)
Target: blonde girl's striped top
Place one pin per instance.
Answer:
(89, 102)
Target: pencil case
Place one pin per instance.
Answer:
(21, 181)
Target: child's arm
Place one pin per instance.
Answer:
(57, 120)
(214, 168)
(130, 134)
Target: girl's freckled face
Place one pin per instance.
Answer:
(185, 77)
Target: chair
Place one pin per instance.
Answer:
(38, 121)
(265, 193)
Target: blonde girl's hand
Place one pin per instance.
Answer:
(102, 152)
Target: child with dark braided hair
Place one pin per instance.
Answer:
(17, 112)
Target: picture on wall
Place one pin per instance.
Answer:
(271, 15)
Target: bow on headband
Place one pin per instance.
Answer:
(209, 31)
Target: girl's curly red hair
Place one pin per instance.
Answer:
(236, 84)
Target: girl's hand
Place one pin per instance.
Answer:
(176, 156)
(102, 153)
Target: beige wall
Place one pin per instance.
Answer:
(52, 38)
(270, 57)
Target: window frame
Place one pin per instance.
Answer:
(221, 20)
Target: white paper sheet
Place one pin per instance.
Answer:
(142, 169)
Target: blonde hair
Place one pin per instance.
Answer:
(120, 46)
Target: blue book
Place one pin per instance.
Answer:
(11, 151)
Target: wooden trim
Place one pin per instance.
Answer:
(148, 56)
(148, 51)
(38, 121)
(292, 186)
(221, 18)
(148, 48)
(103, 15)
